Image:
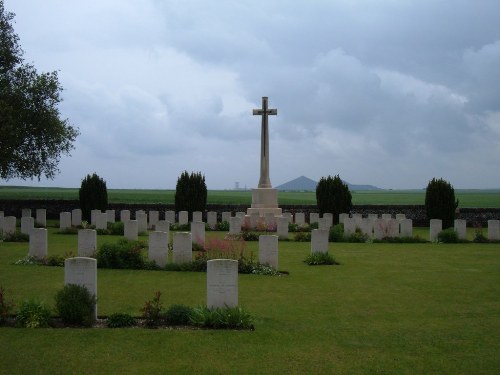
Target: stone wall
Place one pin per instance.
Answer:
(473, 216)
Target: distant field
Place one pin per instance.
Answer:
(467, 198)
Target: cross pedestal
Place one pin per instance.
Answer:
(264, 197)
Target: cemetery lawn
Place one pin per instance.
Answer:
(388, 308)
(467, 198)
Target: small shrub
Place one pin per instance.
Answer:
(415, 239)
(250, 236)
(178, 315)
(5, 306)
(27, 260)
(116, 229)
(336, 233)
(222, 318)
(32, 314)
(314, 225)
(302, 237)
(76, 305)
(54, 260)
(120, 320)
(123, 254)
(448, 236)
(293, 227)
(317, 258)
(357, 237)
(479, 237)
(265, 269)
(152, 311)
(16, 237)
(223, 226)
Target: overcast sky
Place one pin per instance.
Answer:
(388, 92)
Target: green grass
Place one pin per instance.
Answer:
(467, 198)
(388, 308)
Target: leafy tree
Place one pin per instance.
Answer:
(191, 192)
(440, 202)
(93, 195)
(333, 196)
(33, 136)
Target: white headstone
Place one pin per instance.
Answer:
(494, 230)
(9, 225)
(64, 220)
(163, 226)
(170, 216)
(41, 217)
(342, 217)
(436, 226)
(27, 224)
(26, 212)
(406, 228)
(198, 232)
(324, 223)
(82, 271)
(183, 217)
(349, 226)
(38, 243)
(158, 248)
(289, 216)
(101, 220)
(93, 216)
(76, 217)
(460, 227)
(182, 247)
(142, 221)
(87, 242)
(400, 217)
(392, 228)
(222, 283)
(300, 218)
(270, 221)
(366, 226)
(268, 250)
(313, 218)
(373, 216)
(212, 219)
(110, 216)
(234, 225)
(131, 230)
(124, 215)
(386, 216)
(379, 231)
(226, 216)
(154, 217)
(319, 241)
(197, 216)
(282, 229)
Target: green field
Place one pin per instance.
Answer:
(467, 198)
(387, 309)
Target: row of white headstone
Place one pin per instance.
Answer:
(222, 279)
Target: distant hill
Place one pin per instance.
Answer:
(303, 183)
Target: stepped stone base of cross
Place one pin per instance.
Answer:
(264, 200)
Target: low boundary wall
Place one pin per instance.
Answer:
(473, 216)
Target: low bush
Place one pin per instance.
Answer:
(152, 311)
(479, 237)
(448, 236)
(222, 318)
(54, 260)
(222, 226)
(302, 237)
(116, 229)
(336, 233)
(415, 239)
(357, 237)
(16, 237)
(5, 306)
(28, 260)
(250, 236)
(120, 320)
(178, 315)
(76, 305)
(32, 314)
(317, 258)
(123, 254)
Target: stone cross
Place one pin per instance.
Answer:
(264, 181)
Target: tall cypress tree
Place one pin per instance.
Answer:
(93, 195)
(440, 202)
(191, 193)
(333, 196)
